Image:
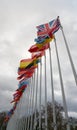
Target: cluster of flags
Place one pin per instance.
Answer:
(45, 34)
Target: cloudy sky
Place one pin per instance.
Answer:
(18, 21)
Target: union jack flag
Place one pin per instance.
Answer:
(48, 28)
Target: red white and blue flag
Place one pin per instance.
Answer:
(48, 28)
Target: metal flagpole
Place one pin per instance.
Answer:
(30, 87)
(26, 110)
(45, 96)
(40, 95)
(31, 100)
(23, 123)
(20, 118)
(52, 90)
(29, 109)
(32, 103)
(35, 117)
(69, 54)
(18, 114)
(28, 101)
(34, 99)
(62, 87)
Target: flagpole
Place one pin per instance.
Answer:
(15, 118)
(29, 96)
(40, 95)
(32, 103)
(62, 87)
(31, 99)
(69, 54)
(52, 90)
(20, 123)
(45, 96)
(17, 112)
(26, 98)
(34, 98)
(20, 104)
(29, 110)
(22, 98)
(26, 109)
(35, 118)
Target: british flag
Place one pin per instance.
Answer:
(51, 27)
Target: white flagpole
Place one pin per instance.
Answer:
(52, 90)
(40, 95)
(20, 109)
(69, 54)
(26, 110)
(62, 87)
(45, 96)
(35, 117)
(32, 103)
(26, 98)
(29, 109)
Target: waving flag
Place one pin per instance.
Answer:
(24, 75)
(25, 62)
(29, 74)
(34, 48)
(47, 40)
(38, 54)
(47, 28)
(41, 39)
(22, 71)
(25, 82)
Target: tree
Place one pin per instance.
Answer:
(2, 123)
(59, 115)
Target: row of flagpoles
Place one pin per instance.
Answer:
(29, 79)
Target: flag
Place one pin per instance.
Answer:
(33, 62)
(38, 54)
(34, 48)
(24, 70)
(47, 28)
(22, 88)
(17, 95)
(25, 77)
(47, 40)
(24, 82)
(25, 62)
(9, 114)
(41, 39)
(45, 47)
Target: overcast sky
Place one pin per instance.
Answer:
(18, 21)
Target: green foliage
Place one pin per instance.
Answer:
(2, 123)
